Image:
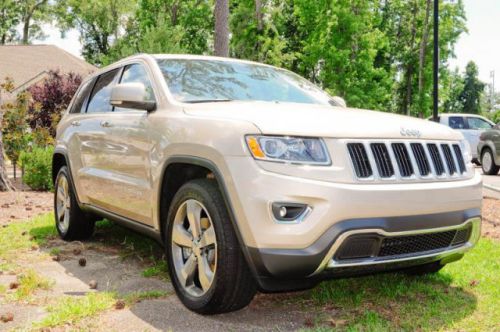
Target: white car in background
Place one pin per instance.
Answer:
(470, 125)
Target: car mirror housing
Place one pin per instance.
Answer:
(339, 101)
(132, 96)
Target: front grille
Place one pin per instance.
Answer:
(378, 246)
(360, 160)
(383, 160)
(403, 159)
(408, 161)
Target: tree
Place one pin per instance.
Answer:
(221, 39)
(98, 21)
(470, 97)
(50, 98)
(33, 12)
(9, 19)
(5, 184)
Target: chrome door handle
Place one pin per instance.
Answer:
(105, 124)
(75, 123)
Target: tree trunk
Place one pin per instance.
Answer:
(5, 184)
(221, 41)
(259, 16)
(26, 29)
(423, 49)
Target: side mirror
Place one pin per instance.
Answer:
(131, 95)
(339, 101)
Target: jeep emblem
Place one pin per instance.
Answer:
(410, 132)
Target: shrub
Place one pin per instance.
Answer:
(37, 165)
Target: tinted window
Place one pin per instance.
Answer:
(99, 101)
(456, 122)
(478, 123)
(83, 93)
(192, 81)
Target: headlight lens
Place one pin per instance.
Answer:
(295, 150)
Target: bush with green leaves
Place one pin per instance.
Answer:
(37, 165)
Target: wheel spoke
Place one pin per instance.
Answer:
(60, 211)
(187, 271)
(61, 195)
(181, 237)
(193, 211)
(205, 274)
(208, 237)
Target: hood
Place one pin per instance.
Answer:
(323, 121)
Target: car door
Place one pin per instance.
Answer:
(475, 126)
(126, 162)
(93, 175)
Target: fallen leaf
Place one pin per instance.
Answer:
(337, 322)
(120, 304)
(474, 283)
(93, 284)
(14, 285)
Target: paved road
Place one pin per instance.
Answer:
(491, 184)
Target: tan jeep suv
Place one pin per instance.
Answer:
(254, 179)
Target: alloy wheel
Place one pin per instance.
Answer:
(63, 204)
(487, 161)
(194, 248)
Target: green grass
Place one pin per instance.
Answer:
(29, 282)
(71, 310)
(463, 296)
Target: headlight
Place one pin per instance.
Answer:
(295, 150)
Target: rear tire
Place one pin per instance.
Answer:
(71, 222)
(421, 270)
(199, 236)
(488, 162)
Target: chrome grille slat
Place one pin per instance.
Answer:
(403, 159)
(421, 158)
(436, 159)
(382, 159)
(460, 158)
(410, 160)
(450, 163)
(360, 160)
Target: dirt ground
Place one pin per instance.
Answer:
(21, 205)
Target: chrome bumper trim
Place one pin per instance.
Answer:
(329, 263)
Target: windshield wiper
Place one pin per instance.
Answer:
(196, 101)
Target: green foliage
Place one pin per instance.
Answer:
(37, 165)
(15, 129)
(470, 97)
(9, 19)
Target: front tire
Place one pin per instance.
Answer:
(71, 222)
(488, 162)
(206, 264)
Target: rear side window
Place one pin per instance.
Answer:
(80, 98)
(101, 94)
(478, 123)
(456, 122)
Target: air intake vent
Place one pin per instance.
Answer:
(449, 159)
(460, 158)
(360, 160)
(383, 160)
(403, 159)
(436, 159)
(421, 158)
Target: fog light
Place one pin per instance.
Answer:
(290, 212)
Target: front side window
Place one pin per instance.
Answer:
(80, 98)
(194, 81)
(478, 123)
(101, 94)
(456, 122)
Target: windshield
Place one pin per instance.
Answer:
(192, 80)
